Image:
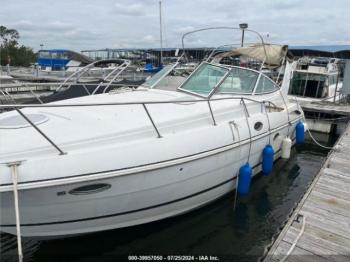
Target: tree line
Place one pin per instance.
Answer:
(11, 52)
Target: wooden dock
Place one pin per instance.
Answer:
(319, 228)
(326, 117)
(340, 109)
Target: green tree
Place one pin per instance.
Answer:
(8, 37)
(11, 52)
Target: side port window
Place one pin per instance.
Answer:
(89, 189)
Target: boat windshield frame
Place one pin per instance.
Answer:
(223, 78)
(191, 76)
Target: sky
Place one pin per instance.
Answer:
(96, 24)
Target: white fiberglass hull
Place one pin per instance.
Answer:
(137, 198)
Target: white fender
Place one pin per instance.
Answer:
(286, 147)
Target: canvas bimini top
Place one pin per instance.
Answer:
(270, 54)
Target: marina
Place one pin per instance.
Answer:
(318, 230)
(326, 117)
(167, 80)
(175, 141)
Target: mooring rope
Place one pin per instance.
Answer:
(288, 116)
(316, 142)
(295, 241)
(239, 145)
(14, 172)
(308, 130)
(283, 224)
(246, 113)
(268, 121)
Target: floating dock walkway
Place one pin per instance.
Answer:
(325, 116)
(319, 228)
(339, 109)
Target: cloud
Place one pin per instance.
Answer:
(148, 39)
(130, 10)
(22, 25)
(142, 42)
(91, 24)
(29, 25)
(283, 4)
(184, 29)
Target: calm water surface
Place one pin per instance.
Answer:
(216, 229)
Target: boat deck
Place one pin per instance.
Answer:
(319, 229)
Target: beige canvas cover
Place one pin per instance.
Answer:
(271, 54)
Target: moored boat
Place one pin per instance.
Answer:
(316, 79)
(120, 159)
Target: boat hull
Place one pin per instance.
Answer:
(134, 199)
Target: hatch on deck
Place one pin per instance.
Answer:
(13, 122)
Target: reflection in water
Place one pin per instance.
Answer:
(216, 229)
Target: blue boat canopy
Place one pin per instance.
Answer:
(57, 59)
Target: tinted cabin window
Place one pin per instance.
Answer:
(308, 85)
(64, 55)
(44, 54)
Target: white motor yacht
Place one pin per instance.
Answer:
(316, 79)
(125, 158)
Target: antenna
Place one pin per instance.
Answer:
(243, 26)
(160, 32)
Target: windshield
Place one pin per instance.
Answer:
(239, 81)
(204, 80)
(155, 78)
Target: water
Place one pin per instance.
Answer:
(327, 48)
(215, 230)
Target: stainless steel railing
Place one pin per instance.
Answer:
(122, 68)
(143, 104)
(85, 69)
